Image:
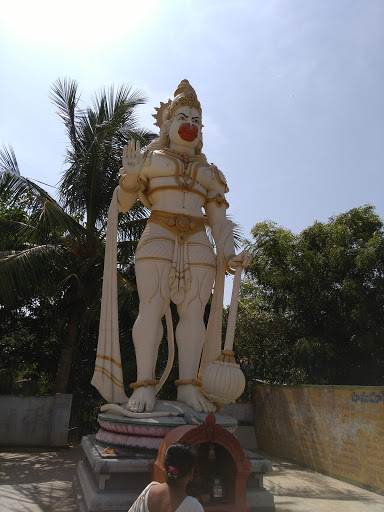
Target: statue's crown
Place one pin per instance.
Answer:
(184, 95)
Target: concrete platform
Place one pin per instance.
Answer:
(41, 481)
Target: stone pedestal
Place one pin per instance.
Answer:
(122, 432)
(111, 479)
(112, 482)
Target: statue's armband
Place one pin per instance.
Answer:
(220, 178)
(218, 199)
(218, 187)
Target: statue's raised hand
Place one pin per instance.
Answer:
(133, 159)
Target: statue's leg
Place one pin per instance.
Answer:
(190, 334)
(154, 295)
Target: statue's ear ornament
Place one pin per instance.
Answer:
(162, 113)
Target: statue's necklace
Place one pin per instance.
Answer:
(186, 179)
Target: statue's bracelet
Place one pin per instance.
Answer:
(128, 190)
(228, 268)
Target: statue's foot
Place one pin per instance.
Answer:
(142, 399)
(194, 397)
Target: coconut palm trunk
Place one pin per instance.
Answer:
(71, 335)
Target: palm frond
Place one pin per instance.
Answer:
(51, 222)
(47, 216)
(64, 96)
(238, 236)
(16, 186)
(7, 252)
(126, 252)
(130, 229)
(127, 244)
(143, 135)
(124, 284)
(29, 272)
(12, 234)
(8, 161)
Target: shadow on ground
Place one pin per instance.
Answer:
(31, 482)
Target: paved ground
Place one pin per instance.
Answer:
(38, 481)
(42, 482)
(297, 489)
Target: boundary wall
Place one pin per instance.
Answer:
(34, 420)
(336, 430)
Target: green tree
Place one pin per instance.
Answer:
(60, 266)
(12, 211)
(322, 294)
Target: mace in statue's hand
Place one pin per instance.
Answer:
(133, 159)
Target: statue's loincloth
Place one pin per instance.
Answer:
(180, 248)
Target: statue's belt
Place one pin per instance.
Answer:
(181, 225)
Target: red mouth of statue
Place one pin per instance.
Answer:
(188, 132)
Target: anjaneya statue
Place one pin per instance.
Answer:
(174, 260)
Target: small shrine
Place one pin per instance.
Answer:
(220, 478)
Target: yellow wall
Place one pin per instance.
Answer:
(338, 430)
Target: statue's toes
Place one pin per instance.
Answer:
(140, 406)
(207, 405)
(150, 405)
(212, 406)
(197, 406)
(133, 406)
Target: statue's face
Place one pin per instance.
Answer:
(185, 128)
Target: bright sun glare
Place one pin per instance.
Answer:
(75, 23)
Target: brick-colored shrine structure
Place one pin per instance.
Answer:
(219, 454)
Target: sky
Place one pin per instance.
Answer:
(292, 91)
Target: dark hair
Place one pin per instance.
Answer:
(179, 460)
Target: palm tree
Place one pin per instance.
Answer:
(62, 257)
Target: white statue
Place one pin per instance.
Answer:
(174, 258)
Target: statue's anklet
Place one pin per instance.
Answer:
(194, 382)
(143, 383)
